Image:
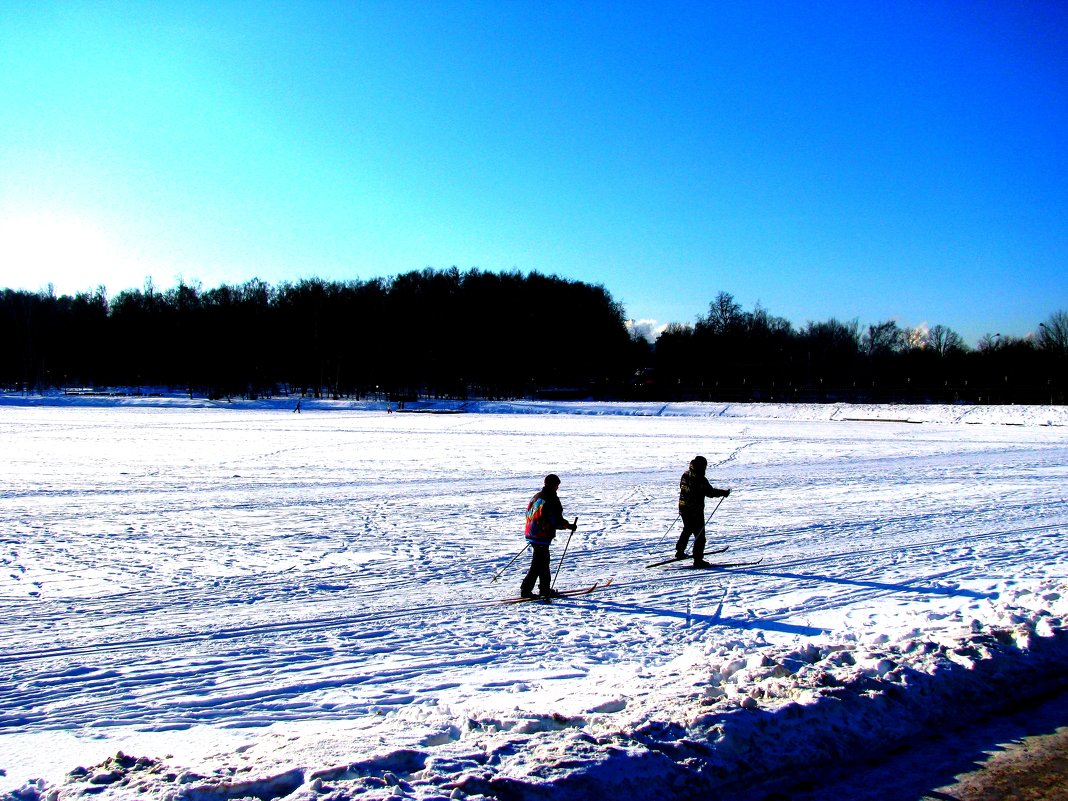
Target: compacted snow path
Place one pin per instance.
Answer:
(248, 602)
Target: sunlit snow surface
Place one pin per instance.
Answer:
(259, 603)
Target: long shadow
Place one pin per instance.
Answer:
(715, 619)
(873, 585)
(770, 623)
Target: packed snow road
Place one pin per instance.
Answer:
(251, 592)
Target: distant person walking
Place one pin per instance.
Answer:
(545, 514)
(693, 489)
(296, 409)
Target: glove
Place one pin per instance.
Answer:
(724, 493)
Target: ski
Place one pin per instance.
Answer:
(687, 556)
(597, 585)
(715, 565)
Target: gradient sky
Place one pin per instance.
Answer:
(870, 160)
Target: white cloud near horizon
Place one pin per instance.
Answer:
(647, 329)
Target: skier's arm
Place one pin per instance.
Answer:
(712, 492)
(562, 522)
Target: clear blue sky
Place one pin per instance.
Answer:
(902, 160)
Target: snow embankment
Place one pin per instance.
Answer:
(736, 721)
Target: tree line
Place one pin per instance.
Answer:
(733, 354)
(441, 333)
(446, 333)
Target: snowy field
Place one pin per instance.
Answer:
(214, 601)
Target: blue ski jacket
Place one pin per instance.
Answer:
(545, 514)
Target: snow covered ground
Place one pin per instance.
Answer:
(213, 601)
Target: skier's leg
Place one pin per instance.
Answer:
(681, 543)
(545, 579)
(532, 573)
(699, 544)
(691, 524)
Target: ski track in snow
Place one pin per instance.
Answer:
(163, 570)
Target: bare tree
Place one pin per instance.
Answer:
(835, 334)
(882, 338)
(1053, 334)
(678, 329)
(944, 341)
(724, 314)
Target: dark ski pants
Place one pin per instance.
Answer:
(539, 571)
(693, 522)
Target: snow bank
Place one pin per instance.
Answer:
(750, 719)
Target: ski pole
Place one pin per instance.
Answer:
(673, 522)
(721, 497)
(501, 573)
(561, 562)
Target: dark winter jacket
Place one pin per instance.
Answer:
(545, 514)
(694, 488)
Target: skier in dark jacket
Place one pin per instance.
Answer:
(693, 489)
(545, 514)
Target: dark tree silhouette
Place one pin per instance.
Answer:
(455, 334)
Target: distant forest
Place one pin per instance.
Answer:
(475, 334)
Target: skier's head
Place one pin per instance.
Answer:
(699, 464)
(552, 481)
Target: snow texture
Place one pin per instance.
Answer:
(206, 601)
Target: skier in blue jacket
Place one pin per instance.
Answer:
(545, 514)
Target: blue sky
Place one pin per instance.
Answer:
(903, 160)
